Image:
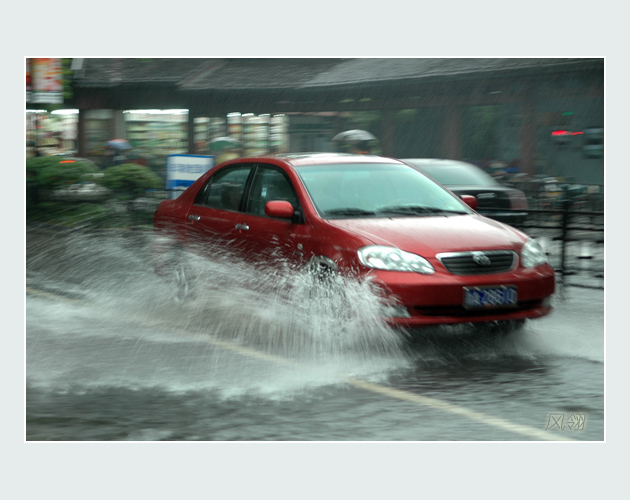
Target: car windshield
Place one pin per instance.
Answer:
(459, 175)
(354, 190)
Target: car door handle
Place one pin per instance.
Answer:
(194, 217)
(242, 227)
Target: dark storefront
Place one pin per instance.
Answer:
(534, 113)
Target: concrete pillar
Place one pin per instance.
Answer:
(119, 131)
(81, 134)
(452, 143)
(528, 134)
(191, 131)
(388, 128)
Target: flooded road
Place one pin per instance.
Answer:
(110, 355)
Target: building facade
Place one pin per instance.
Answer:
(542, 116)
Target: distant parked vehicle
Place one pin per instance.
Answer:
(82, 191)
(85, 189)
(494, 200)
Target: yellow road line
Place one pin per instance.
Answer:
(500, 423)
(530, 432)
(244, 351)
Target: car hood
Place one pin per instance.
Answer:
(430, 235)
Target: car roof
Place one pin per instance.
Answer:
(302, 159)
(442, 169)
(421, 162)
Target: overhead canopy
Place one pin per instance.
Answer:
(286, 84)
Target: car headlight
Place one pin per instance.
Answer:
(532, 254)
(393, 259)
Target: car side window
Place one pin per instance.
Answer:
(270, 184)
(224, 190)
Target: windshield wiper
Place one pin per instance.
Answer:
(349, 211)
(418, 210)
(435, 210)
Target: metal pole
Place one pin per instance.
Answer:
(566, 203)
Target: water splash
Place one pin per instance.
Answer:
(133, 333)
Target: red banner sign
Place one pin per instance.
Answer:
(44, 76)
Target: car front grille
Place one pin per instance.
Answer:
(483, 262)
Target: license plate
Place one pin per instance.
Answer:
(486, 297)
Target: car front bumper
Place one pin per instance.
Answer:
(439, 298)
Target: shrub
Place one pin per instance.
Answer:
(130, 179)
(48, 173)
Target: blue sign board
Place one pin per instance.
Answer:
(183, 170)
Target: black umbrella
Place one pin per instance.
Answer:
(354, 136)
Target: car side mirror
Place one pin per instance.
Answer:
(279, 209)
(470, 200)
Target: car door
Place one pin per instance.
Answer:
(266, 238)
(212, 219)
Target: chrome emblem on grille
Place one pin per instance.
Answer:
(481, 259)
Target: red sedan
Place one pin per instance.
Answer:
(435, 258)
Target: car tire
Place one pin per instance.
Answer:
(326, 283)
(322, 269)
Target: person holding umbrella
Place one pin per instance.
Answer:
(359, 148)
(115, 152)
(354, 141)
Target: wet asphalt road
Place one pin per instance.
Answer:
(110, 356)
